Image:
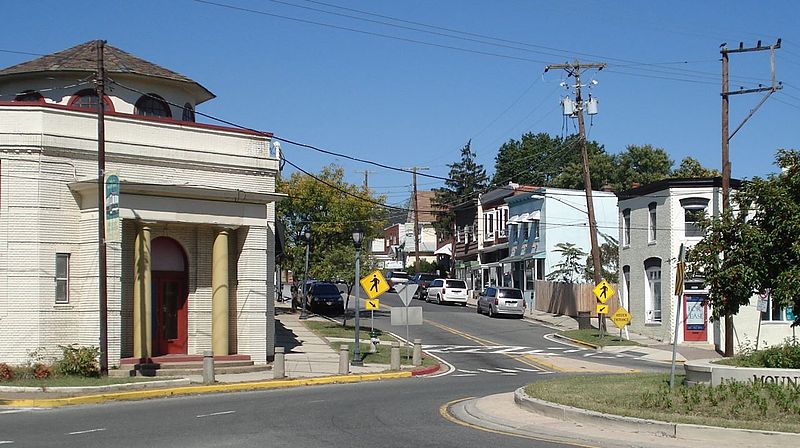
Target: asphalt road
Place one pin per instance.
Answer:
(398, 413)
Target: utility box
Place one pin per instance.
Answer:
(584, 320)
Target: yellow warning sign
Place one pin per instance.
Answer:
(374, 284)
(603, 291)
(373, 304)
(621, 317)
(602, 308)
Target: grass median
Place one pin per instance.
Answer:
(329, 330)
(592, 337)
(733, 405)
(73, 381)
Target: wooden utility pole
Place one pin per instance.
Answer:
(416, 215)
(726, 164)
(366, 178)
(574, 70)
(101, 209)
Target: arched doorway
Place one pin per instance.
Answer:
(170, 293)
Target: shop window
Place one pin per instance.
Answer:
(62, 278)
(776, 313)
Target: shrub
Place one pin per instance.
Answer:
(41, 371)
(783, 356)
(79, 361)
(6, 373)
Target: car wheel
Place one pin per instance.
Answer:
(478, 308)
(438, 299)
(491, 312)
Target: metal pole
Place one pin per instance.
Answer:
(356, 349)
(101, 209)
(303, 315)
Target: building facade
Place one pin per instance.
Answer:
(190, 223)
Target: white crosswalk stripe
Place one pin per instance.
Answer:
(497, 371)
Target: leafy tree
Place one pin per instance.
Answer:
(424, 266)
(601, 166)
(465, 180)
(609, 260)
(331, 216)
(691, 167)
(571, 266)
(641, 164)
(534, 159)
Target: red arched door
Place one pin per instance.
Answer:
(170, 293)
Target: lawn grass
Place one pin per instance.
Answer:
(72, 381)
(329, 329)
(734, 405)
(592, 336)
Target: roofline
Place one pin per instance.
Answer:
(681, 182)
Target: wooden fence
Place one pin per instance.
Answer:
(569, 299)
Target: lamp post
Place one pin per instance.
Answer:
(358, 236)
(303, 314)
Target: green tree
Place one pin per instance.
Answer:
(534, 159)
(570, 173)
(691, 167)
(641, 164)
(466, 179)
(609, 261)
(331, 216)
(571, 266)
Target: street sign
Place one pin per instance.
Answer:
(602, 308)
(374, 284)
(621, 318)
(407, 315)
(406, 292)
(373, 304)
(603, 291)
(763, 304)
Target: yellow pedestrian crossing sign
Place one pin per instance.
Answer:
(621, 317)
(603, 291)
(373, 304)
(374, 284)
(602, 309)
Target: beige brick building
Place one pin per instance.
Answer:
(192, 267)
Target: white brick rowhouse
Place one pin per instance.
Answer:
(195, 199)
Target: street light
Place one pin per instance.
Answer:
(303, 314)
(358, 236)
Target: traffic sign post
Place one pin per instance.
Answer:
(374, 284)
(603, 291)
(406, 292)
(621, 318)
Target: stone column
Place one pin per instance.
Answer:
(142, 295)
(220, 297)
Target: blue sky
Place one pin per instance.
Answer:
(407, 103)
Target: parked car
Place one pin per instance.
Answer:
(325, 296)
(445, 290)
(422, 281)
(496, 300)
(396, 277)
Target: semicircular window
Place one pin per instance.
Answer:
(87, 99)
(29, 96)
(152, 105)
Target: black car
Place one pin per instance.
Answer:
(324, 296)
(422, 281)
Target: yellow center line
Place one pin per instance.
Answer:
(444, 411)
(528, 360)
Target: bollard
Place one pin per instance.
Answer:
(279, 364)
(416, 358)
(208, 367)
(344, 361)
(395, 356)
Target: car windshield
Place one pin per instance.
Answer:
(325, 288)
(456, 284)
(427, 277)
(398, 275)
(510, 293)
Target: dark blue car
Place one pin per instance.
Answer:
(325, 297)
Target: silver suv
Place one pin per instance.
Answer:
(495, 300)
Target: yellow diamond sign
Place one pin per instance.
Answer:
(374, 284)
(603, 291)
(602, 309)
(621, 318)
(373, 304)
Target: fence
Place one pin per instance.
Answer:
(569, 299)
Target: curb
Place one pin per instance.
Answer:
(685, 431)
(194, 390)
(105, 388)
(426, 370)
(578, 342)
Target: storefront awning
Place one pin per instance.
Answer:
(444, 250)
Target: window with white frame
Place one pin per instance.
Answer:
(524, 231)
(652, 304)
(775, 312)
(534, 229)
(488, 223)
(62, 278)
(626, 227)
(651, 222)
(694, 209)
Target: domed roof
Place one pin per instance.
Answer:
(83, 58)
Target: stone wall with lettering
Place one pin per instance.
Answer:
(711, 373)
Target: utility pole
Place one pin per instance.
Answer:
(101, 209)
(366, 178)
(416, 214)
(726, 164)
(574, 70)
